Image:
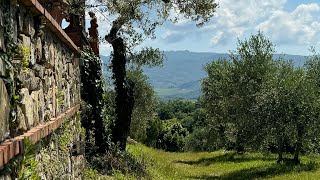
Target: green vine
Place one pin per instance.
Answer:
(26, 55)
(93, 93)
(29, 164)
(60, 97)
(13, 83)
(66, 137)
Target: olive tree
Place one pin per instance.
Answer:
(289, 108)
(232, 87)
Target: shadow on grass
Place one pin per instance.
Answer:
(262, 171)
(228, 157)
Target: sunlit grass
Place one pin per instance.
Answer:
(221, 165)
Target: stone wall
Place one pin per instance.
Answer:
(39, 78)
(62, 158)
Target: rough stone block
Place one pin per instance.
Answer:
(52, 55)
(21, 120)
(32, 54)
(35, 109)
(39, 70)
(41, 106)
(27, 106)
(48, 55)
(4, 110)
(32, 83)
(13, 28)
(36, 84)
(47, 115)
(25, 78)
(21, 11)
(54, 102)
(19, 22)
(26, 41)
(2, 45)
(28, 25)
(46, 81)
(68, 96)
(1, 19)
(49, 72)
(45, 53)
(2, 67)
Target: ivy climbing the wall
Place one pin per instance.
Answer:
(93, 95)
(7, 54)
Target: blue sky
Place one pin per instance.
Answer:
(292, 25)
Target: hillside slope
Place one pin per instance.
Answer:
(224, 165)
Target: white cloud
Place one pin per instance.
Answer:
(237, 18)
(217, 37)
(173, 36)
(300, 26)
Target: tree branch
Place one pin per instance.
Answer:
(116, 26)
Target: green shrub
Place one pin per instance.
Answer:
(172, 137)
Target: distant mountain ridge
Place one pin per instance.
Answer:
(183, 70)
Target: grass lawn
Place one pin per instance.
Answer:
(221, 165)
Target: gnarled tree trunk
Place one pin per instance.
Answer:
(298, 145)
(280, 149)
(123, 86)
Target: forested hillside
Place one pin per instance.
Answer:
(182, 72)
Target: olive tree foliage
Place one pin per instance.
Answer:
(254, 101)
(217, 96)
(313, 74)
(134, 21)
(144, 107)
